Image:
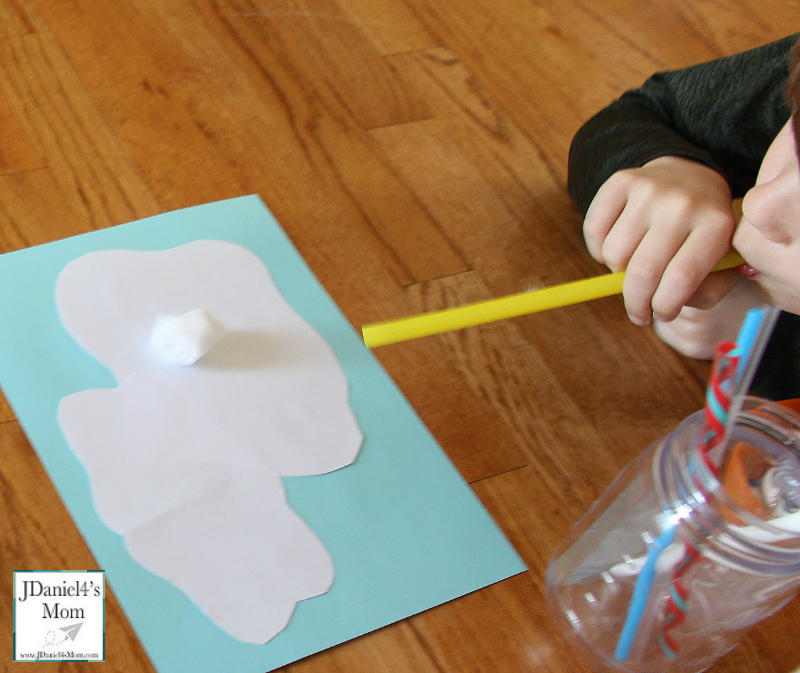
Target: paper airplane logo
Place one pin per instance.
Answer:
(53, 637)
(72, 631)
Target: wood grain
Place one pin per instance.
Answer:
(415, 152)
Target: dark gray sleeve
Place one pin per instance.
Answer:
(724, 113)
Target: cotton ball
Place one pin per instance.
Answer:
(184, 339)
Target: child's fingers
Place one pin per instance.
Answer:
(604, 211)
(626, 236)
(645, 271)
(687, 270)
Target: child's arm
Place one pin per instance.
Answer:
(660, 166)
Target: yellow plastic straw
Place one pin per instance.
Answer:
(479, 313)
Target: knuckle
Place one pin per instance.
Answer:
(681, 284)
(613, 257)
(717, 222)
(643, 274)
(666, 310)
(721, 218)
(683, 276)
(591, 229)
(681, 205)
(621, 178)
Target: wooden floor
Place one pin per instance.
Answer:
(415, 152)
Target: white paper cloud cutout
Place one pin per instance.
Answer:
(271, 379)
(195, 504)
(185, 462)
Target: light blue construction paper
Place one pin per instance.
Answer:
(406, 533)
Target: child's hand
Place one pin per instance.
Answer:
(667, 223)
(696, 332)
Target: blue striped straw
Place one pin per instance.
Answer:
(641, 593)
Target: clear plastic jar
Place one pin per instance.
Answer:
(677, 560)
